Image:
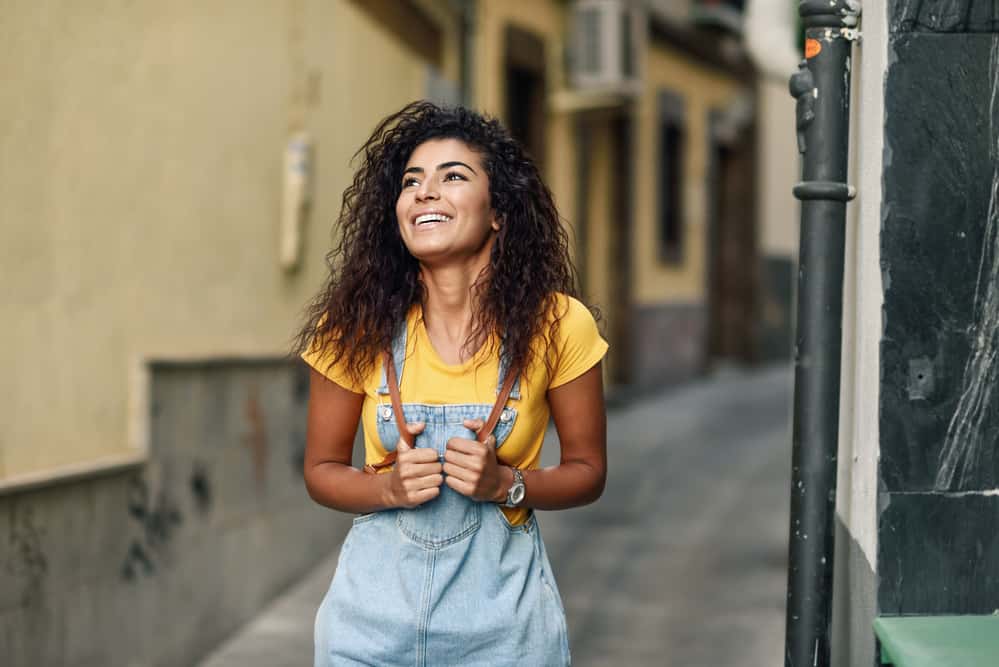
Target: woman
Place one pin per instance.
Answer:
(448, 327)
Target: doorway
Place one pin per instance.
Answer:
(732, 247)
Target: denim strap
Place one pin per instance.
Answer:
(399, 359)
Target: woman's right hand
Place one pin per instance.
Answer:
(417, 474)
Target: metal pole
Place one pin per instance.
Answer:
(822, 89)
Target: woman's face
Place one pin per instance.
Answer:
(443, 210)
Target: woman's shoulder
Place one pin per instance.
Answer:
(578, 344)
(569, 310)
(571, 319)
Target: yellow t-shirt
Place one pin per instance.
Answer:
(427, 379)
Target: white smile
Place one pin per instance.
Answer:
(428, 218)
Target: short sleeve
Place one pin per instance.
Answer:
(578, 343)
(318, 357)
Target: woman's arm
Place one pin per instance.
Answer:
(578, 410)
(329, 441)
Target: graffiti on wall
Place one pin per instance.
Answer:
(256, 439)
(200, 483)
(158, 517)
(26, 560)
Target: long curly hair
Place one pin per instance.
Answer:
(374, 281)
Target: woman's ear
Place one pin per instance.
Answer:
(495, 223)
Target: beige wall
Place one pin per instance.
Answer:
(140, 193)
(778, 169)
(546, 19)
(599, 203)
(702, 90)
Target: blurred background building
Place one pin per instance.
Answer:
(169, 175)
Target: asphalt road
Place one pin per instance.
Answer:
(681, 562)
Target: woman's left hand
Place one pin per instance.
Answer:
(471, 468)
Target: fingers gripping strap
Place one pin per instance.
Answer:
(393, 385)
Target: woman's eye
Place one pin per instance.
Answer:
(456, 176)
(407, 182)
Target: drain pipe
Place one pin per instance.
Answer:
(821, 87)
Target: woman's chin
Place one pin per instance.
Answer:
(430, 252)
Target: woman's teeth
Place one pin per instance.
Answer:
(431, 217)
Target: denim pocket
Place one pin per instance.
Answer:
(525, 527)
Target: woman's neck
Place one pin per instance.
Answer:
(449, 309)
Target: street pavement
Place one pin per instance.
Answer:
(681, 562)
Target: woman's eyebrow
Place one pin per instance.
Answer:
(442, 165)
(454, 163)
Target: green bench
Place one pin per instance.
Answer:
(938, 641)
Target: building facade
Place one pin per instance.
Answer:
(169, 176)
(159, 243)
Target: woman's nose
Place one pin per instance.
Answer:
(427, 190)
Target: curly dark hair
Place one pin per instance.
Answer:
(374, 280)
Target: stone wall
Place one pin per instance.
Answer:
(938, 504)
(156, 564)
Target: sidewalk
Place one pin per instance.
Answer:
(281, 636)
(681, 562)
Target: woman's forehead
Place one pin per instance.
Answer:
(433, 152)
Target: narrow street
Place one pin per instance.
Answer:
(681, 562)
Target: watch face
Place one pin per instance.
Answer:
(517, 494)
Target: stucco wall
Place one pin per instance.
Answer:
(778, 169)
(140, 193)
(545, 19)
(702, 90)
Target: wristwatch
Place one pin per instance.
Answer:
(517, 491)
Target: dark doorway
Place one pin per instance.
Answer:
(525, 90)
(620, 315)
(733, 255)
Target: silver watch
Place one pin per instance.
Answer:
(517, 491)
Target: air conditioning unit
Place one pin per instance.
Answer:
(606, 46)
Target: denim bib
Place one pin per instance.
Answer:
(450, 582)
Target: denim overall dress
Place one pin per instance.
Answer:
(449, 582)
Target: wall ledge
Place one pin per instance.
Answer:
(72, 472)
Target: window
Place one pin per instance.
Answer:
(672, 144)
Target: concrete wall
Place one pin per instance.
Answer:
(854, 579)
(668, 343)
(155, 566)
(140, 195)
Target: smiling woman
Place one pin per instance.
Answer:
(451, 290)
(444, 210)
